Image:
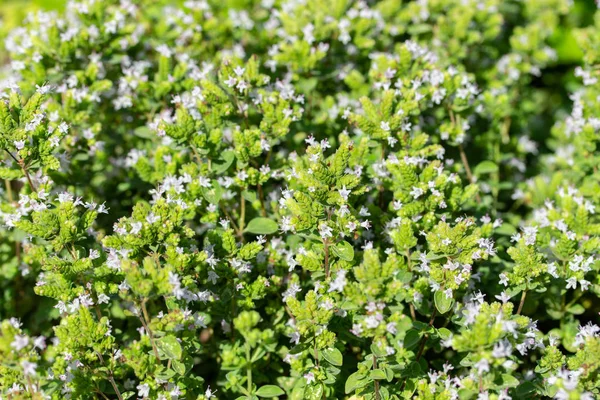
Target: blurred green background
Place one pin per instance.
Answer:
(12, 13)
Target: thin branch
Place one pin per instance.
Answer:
(316, 351)
(422, 344)
(377, 395)
(9, 190)
(21, 164)
(411, 306)
(522, 302)
(13, 157)
(242, 215)
(102, 394)
(327, 271)
(465, 162)
(261, 197)
(424, 340)
(110, 377)
(233, 224)
(249, 368)
(147, 327)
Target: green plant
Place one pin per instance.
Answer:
(267, 199)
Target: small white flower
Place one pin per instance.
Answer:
(102, 298)
(310, 378)
(19, 342)
(416, 192)
(344, 193)
(143, 390)
(325, 231)
(239, 71)
(152, 218)
(19, 144)
(28, 368)
(209, 393)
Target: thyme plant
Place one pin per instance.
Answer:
(245, 199)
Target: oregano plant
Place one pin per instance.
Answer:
(362, 200)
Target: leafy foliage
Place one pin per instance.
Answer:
(280, 199)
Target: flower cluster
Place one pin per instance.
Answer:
(375, 200)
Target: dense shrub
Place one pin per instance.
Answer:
(301, 199)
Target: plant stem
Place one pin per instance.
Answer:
(230, 219)
(102, 394)
(147, 327)
(424, 340)
(377, 395)
(21, 164)
(327, 272)
(110, 378)
(413, 315)
(316, 351)
(73, 252)
(249, 369)
(522, 302)
(8, 190)
(233, 311)
(9, 193)
(411, 306)
(422, 345)
(114, 385)
(465, 162)
(29, 385)
(242, 215)
(261, 196)
(381, 188)
(24, 169)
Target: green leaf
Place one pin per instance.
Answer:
(444, 333)
(411, 338)
(509, 381)
(355, 381)
(213, 194)
(485, 167)
(333, 355)
(10, 174)
(313, 392)
(389, 373)
(169, 347)
(378, 374)
(442, 303)
(259, 353)
(262, 226)
(524, 389)
(249, 195)
(377, 351)
(228, 156)
(179, 367)
(576, 309)
(270, 391)
(144, 132)
(344, 250)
